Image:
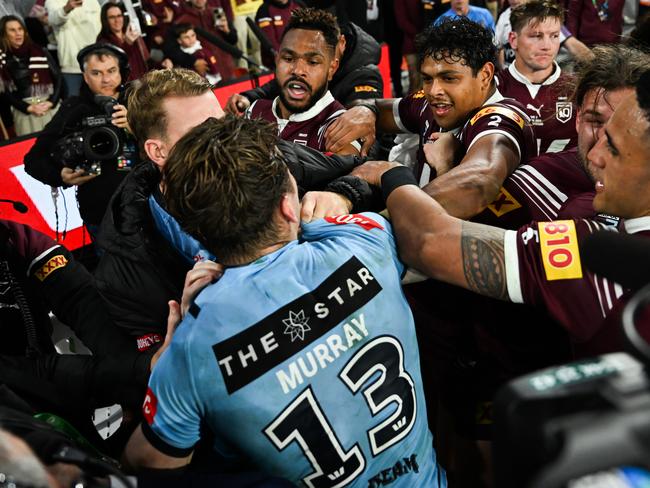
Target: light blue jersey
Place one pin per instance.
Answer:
(304, 364)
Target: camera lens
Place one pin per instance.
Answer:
(101, 144)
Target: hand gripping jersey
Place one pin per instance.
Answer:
(547, 104)
(543, 268)
(305, 364)
(306, 128)
(548, 187)
(413, 114)
(496, 116)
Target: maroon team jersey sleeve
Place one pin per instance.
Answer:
(544, 268)
(505, 119)
(411, 112)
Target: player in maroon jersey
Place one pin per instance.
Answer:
(305, 63)
(535, 79)
(540, 264)
(559, 185)
(551, 186)
(457, 60)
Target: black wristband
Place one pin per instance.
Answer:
(396, 177)
(351, 188)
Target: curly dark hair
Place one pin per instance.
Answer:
(224, 180)
(458, 40)
(316, 20)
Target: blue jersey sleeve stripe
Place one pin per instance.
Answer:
(162, 446)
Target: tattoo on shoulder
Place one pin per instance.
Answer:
(483, 260)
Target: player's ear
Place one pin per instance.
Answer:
(156, 151)
(288, 210)
(334, 65)
(486, 75)
(512, 39)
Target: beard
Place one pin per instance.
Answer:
(314, 97)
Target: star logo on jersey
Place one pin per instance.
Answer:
(563, 111)
(296, 325)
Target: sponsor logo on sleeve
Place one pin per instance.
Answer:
(146, 341)
(263, 346)
(58, 261)
(149, 406)
(563, 111)
(498, 110)
(418, 94)
(504, 203)
(360, 220)
(364, 88)
(560, 254)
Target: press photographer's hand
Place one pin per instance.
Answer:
(119, 117)
(72, 177)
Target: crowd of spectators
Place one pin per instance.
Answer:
(251, 226)
(152, 39)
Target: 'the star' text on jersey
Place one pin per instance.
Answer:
(258, 349)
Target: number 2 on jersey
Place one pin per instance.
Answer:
(303, 420)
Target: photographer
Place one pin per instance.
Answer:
(96, 157)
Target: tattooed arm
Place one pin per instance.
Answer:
(446, 248)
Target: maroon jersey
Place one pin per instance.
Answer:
(547, 104)
(596, 21)
(544, 269)
(306, 128)
(503, 116)
(413, 114)
(209, 57)
(497, 116)
(551, 186)
(272, 19)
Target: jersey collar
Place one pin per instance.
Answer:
(302, 116)
(496, 97)
(184, 244)
(516, 74)
(639, 224)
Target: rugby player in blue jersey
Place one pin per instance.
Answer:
(302, 359)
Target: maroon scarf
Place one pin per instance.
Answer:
(31, 56)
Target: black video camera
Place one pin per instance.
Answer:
(580, 425)
(98, 140)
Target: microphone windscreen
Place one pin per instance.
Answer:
(20, 207)
(622, 258)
